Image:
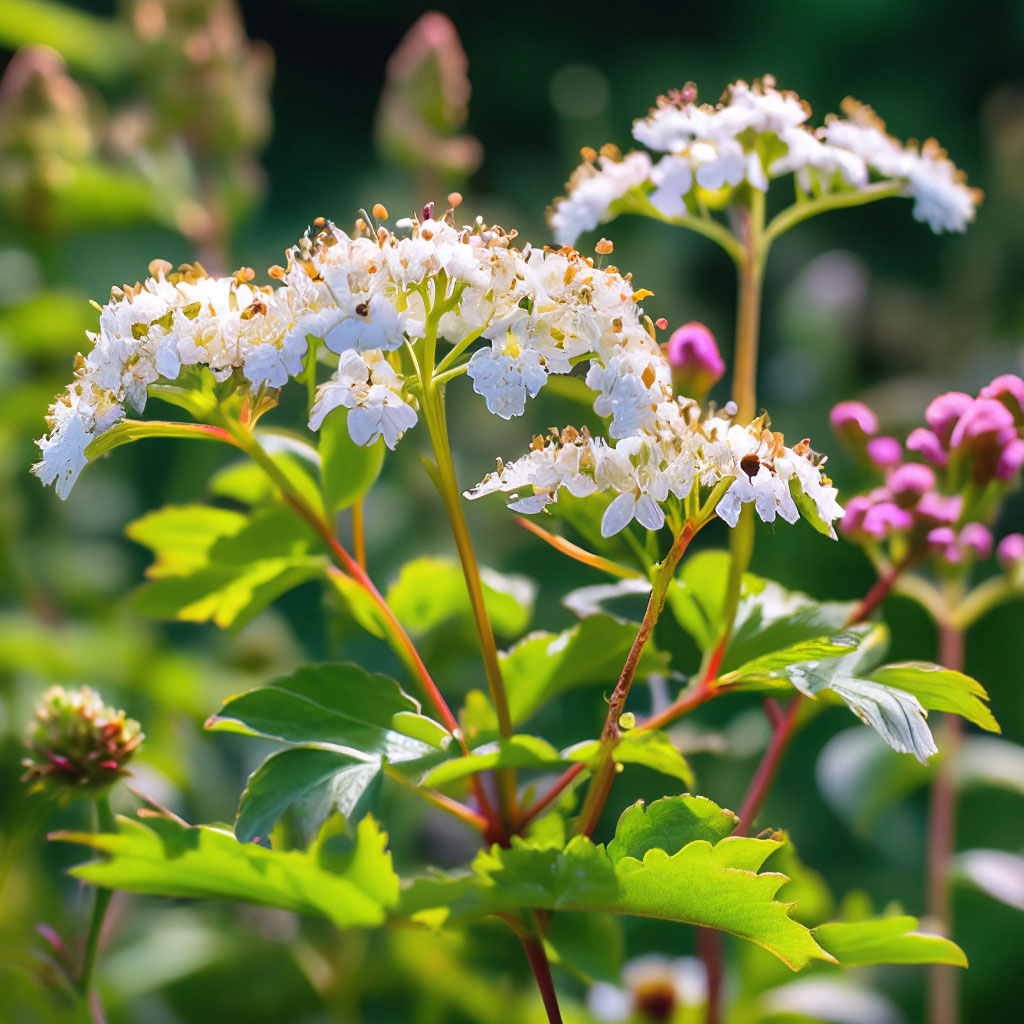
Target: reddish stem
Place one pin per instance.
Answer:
(563, 781)
(709, 946)
(878, 593)
(782, 734)
(542, 972)
(942, 979)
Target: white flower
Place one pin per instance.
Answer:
(505, 376)
(63, 456)
(591, 192)
(941, 199)
(673, 178)
(372, 322)
(631, 468)
(367, 386)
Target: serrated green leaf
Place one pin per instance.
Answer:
(318, 779)
(592, 652)
(339, 705)
(221, 566)
(806, 889)
(669, 823)
(788, 666)
(432, 590)
(940, 689)
(347, 470)
(513, 752)
(714, 886)
(886, 940)
(651, 748)
(162, 856)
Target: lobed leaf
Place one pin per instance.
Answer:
(162, 856)
(940, 689)
(669, 823)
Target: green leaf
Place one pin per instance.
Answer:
(318, 779)
(513, 752)
(940, 689)
(432, 590)
(339, 705)
(713, 886)
(163, 856)
(591, 943)
(128, 431)
(788, 666)
(592, 652)
(348, 470)
(221, 566)
(809, 510)
(669, 823)
(806, 890)
(651, 748)
(887, 940)
(247, 483)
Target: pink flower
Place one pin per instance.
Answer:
(908, 482)
(926, 443)
(695, 360)
(884, 451)
(1011, 551)
(977, 537)
(943, 412)
(939, 509)
(1008, 389)
(1011, 458)
(880, 520)
(854, 422)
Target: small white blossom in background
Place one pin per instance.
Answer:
(753, 135)
(653, 988)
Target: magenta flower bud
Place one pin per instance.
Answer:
(1011, 458)
(882, 519)
(943, 412)
(985, 421)
(884, 451)
(696, 363)
(978, 538)
(908, 482)
(927, 444)
(1008, 389)
(853, 422)
(1011, 551)
(942, 536)
(856, 508)
(937, 509)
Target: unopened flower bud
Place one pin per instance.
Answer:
(856, 509)
(928, 445)
(984, 430)
(1008, 389)
(76, 743)
(978, 538)
(884, 452)
(939, 510)
(885, 518)
(1011, 458)
(908, 482)
(853, 422)
(695, 360)
(943, 412)
(1011, 551)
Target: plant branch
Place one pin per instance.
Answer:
(604, 771)
(534, 948)
(101, 901)
(574, 551)
(542, 803)
(804, 208)
(465, 814)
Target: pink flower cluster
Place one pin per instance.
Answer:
(972, 451)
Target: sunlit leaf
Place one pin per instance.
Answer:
(432, 590)
(940, 689)
(340, 705)
(669, 823)
(996, 872)
(165, 857)
(651, 748)
(886, 940)
(513, 752)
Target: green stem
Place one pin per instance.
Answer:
(805, 208)
(637, 202)
(101, 901)
(604, 769)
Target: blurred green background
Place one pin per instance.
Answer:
(200, 129)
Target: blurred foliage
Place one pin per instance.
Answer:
(146, 131)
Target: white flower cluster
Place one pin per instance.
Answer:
(680, 453)
(754, 134)
(147, 333)
(366, 296)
